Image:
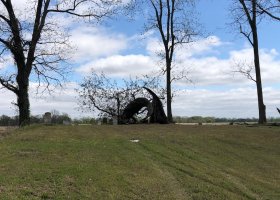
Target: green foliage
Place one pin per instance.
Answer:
(169, 162)
(85, 120)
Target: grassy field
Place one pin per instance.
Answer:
(169, 162)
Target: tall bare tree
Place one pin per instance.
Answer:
(32, 38)
(175, 23)
(247, 18)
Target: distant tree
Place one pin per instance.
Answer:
(5, 120)
(37, 44)
(8, 121)
(58, 118)
(36, 119)
(85, 120)
(246, 16)
(108, 97)
(176, 25)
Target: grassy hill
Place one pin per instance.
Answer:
(169, 162)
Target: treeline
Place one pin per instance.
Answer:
(60, 118)
(38, 119)
(200, 119)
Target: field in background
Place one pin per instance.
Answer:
(168, 162)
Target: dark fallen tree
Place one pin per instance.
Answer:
(134, 107)
(158, 115)
(155, 110)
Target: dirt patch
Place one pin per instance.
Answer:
(4, 130)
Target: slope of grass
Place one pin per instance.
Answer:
(169, 162)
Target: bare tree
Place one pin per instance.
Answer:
(271, 8)
(247, 17)
(246, 69)
(37, 46)
(175, 23)
(108, 97)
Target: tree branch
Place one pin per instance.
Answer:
(73, 9)
(266, 11)
(247, 35)
(8, 84)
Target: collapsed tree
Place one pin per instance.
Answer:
(108, 97)
(133, 108)
(155, 113)
(36, 45)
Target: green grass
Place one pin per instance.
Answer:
(169, 162)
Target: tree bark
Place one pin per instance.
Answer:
(261, 106)
(23, 100)
(253, 24)
(169, 92)
(251, 14)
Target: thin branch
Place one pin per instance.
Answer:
(8, 85)
(247, 35)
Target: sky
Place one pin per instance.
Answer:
(119, 48)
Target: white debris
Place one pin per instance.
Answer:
(134, 141)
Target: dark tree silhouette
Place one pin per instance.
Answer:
(133, 108)
(155, 113)
(246, 16)
(33, 40)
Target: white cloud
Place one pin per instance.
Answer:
(6, 106)
(64, 101)
(185, 51)
(199, 47)
(121, 66)
(6, 61)
(207, 71)
(205, 66)
(234, 103)
(21, 5)
(95, 42)
(154, 46)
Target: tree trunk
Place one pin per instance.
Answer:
(168, 92)
(262, 109)
(23, 102)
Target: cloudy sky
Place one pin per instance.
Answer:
(119, 49)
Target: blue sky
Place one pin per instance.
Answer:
(117, 48)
